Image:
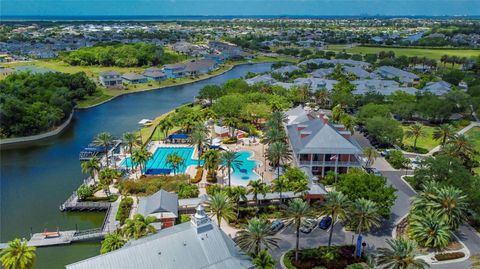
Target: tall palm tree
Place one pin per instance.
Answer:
(220, 207)
(237, 194)
(429, 230)
(231, 160)
(450, 204)
(18, 255)
(199, 138)
(276, 120)
(364, 215)
(401, 255)
(264, 260)
(273, 135)
(337, 206)
(104, 140)
(139, 226)
(256, 233)
(106, 177)
(277, 153)
(297, 211)
(443, 133)
(165, 126)
(257, 187)
(91, 167)
(232, 123)
(131, 140)
(112, 241)
(322, 98)
(462, 145)
(175, 161)
(337, 113)
(212, 161)
(371, 154)
(415, 131)
(140, 156)
(280, 185)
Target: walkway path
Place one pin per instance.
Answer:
(110, 224)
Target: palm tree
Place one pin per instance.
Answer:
(371, 154)
(237, 194)
(401, 255)
(106, 177)
(276, 120)
(443, 133)
(264, 260)
(104, 140)
(212, 161)
(165, 126)
(280, 185)
(231, 160)
(18, 255)
(273, 135)
(112, 241)
(91, 167)
(199, 138)
(131, 140)
(232, 124)
(337, 206)
(175, 161)
(337, 113)
(450, 204)
(364, 215)
(415, 131)
(257, 187)
(221, 207)
(277, 153)
(429, 230)
(297, 211)
(462, 145)
(140, 156)
(322, 98)
(256, 233)
(139, 226)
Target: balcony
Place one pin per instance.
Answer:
(331, 163)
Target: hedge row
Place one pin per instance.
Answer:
(198, 175)
(124, 210)
(449, 256)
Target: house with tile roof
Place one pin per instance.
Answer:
(154, 73)
(198, 244)
(320, 145)
(438, 88)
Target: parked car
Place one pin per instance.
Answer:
(308, 225)
(277, 225)
(325, 222)
(374, 171)
(385, 153)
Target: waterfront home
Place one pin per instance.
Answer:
(267, 78)
(154, 73)
(358, 72)
(191, 245)
(199, 67)
(174, 70)
(218, 58)
(393, 72)
(162, 205)
(134, 78)
(319, 145)
(316, 83)
(285, 70)
(110, 79)
(322, 72)
(438, 88)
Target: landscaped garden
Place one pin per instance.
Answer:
(338, 257)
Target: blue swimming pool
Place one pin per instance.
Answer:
(158, 161)
(246, 172)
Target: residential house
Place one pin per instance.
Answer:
(199, 67)
(267, 78)
(174, 70)
(110, 79)
(316, 83)
(393, 72)
(154, 73)
(198, 244)
(134, 78)
(322, 72)
(358, 72)
(320, 145)
(162, 205)
(284, 70)
(438, 88)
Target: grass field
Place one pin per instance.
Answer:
(426, 142)
(474, 136)
(410, 52)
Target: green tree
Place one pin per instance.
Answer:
(212, 161)
(140, 156)
(264, 260)
(139, 226)
(429, 230)
(112, 241)
(337, 113)
(175, 161)
(280, 185)
(385, 130)
(297, 211)
(256, 233)
(18, 255)
(104, 140)
(91, 167)
(165, 125)
(415, 131)
(337, 206)
(220, 207)
(443, 133)
(106, 177)
(369, 111)
(297, 179)
(401, 255)
(237, 194)
(364, 215)
(277, 153)
(257, 187)
(84, 191)
(231, 160)
(199, 138)
(131, 140)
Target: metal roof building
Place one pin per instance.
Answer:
(161, 202)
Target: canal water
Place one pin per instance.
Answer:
(35, 180)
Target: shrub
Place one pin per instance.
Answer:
(397, 160)
(84, 191)
(124, 209)
(449, 256)
(230, 140)
(355, 266)
(111, 199)
(185, 218)
(198, 175)
(150, 185)
(187, 191)
(212, 189)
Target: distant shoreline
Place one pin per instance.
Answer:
(156, 18)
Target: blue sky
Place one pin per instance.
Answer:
(238, 7)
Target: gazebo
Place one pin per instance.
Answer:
(178, 138)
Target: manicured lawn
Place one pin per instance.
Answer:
(427, 142)
(474, 136)
(410, 52)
